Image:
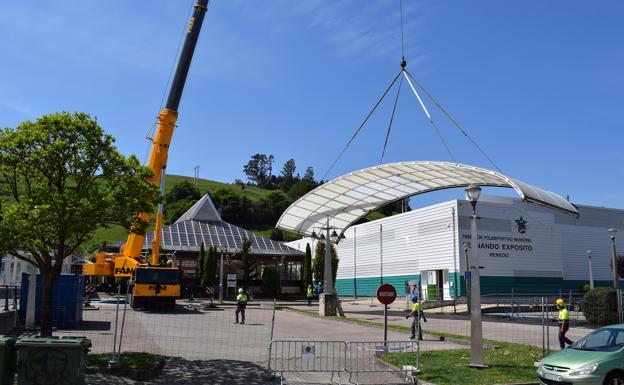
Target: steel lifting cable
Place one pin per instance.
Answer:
(426, 111)
(361, 126)
(455, 123)
(396, 100)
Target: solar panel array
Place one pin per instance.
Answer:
(189, 235)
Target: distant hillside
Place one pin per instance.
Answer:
(117, 233)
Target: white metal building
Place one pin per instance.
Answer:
(522, 247)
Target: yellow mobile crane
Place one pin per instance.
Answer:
(155, 283)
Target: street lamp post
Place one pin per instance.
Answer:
(616, 285)
(591, 273)
(328, 300)
(476, 331)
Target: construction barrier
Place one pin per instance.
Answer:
(338, 357)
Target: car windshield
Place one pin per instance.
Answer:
(604, 340)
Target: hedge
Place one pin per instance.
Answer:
(600, 306)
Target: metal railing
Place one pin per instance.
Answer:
(338, 357)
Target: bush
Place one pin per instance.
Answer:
(584, 288)
(600, 306)
(271, 281)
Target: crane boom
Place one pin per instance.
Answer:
(157, 160)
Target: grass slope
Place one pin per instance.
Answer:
(118, 233)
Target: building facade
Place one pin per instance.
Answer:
(524, 248)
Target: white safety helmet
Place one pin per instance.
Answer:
(240, 290)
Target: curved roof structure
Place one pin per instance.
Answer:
(348, 198)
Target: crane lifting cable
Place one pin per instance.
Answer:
(411, 81)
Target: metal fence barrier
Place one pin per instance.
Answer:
(308, 356)
(337, 357)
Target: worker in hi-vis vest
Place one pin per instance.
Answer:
(310, 295)
(416, 315)
(241, 304)
(564, 323)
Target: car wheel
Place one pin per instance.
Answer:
(614, 379)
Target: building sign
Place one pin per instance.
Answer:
(500, 246)
(521, 225)
(231, 280)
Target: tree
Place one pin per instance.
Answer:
(301, 188)
(288, 171)
(319, 262)
(274, 204)
(201, 263)
(271, 283)
(309, 174)
(247, 264)
(211, 267)
(65, 179)
(179, 199)
(288, 175)
(307, 267)
(259, 169)
(277, 235)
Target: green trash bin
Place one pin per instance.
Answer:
(52, 360)
(7, 359)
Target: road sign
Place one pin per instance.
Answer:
(467, 275)
(386, 294)
(231, 280)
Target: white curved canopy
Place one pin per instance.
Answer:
(348, 198)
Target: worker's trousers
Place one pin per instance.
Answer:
(416, 325)
(563, 329)
(240, 309)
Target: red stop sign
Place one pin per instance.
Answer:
(386, 294)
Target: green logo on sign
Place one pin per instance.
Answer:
(521, 224)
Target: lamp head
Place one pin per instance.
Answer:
(334, 235)
(612, 233)
(472, 193)
(322, 237)
(313, 235)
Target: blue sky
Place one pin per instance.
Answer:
(539, 85)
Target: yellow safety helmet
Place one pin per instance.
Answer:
(560, 302)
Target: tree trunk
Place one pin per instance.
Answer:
(47, 288)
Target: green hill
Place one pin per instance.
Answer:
(118, 233)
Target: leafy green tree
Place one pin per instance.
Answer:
(182, 190)
(319, 262)
(301, 188)
(288, 175)
(307, 267)
(259, 169)
(273, 205)
(211, 267)
(233, 207)
(277, 235)
(65, 179)
(201, 264)
(248, 263)
(309, 174)
(271, 282)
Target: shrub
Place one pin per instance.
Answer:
(600, 306)
(271, 281)
(584, 288)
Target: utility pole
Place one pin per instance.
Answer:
(195, 175)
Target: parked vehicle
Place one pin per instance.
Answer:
(596, 359)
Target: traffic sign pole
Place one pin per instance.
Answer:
(385, 326)
(386, 294)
